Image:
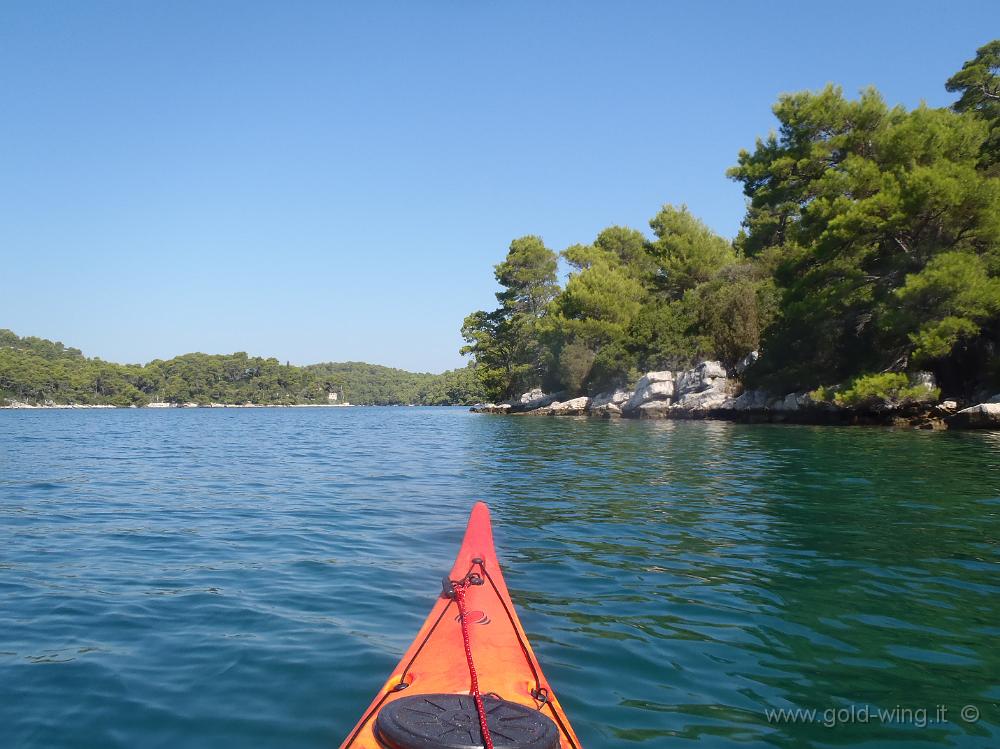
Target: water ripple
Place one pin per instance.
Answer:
(201, 578)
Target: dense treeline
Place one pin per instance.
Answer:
(870, 250)
(35, 370)
(378, 385)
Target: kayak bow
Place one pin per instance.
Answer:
(430, 701)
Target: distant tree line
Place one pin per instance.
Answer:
(384, 386)
(870, 249)
(36, 370)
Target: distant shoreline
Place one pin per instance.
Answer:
(79, 406)
(35, 372)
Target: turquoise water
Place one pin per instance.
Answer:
(248, 578)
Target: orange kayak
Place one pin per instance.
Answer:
(428, 701)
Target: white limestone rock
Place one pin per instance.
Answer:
(792, 402)
(686, 382)
(572, 407)
(704, 400)
(710, 370)
(606, 410)
(665, 376)
(531, 396)
(706, 375)
(749, 400)
(982, 416)
(652, 377)
(654, 386)
(532, 400)
(617, 397)
(653, 410)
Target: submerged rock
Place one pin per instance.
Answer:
(491, 408)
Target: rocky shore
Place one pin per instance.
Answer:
(708, 391)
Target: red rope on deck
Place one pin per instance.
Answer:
(460, 600)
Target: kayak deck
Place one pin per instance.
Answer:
(436, 663)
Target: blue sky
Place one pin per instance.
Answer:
(333, 181)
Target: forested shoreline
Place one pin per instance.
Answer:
(869, 254)
(39, 371)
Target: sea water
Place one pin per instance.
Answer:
(249, 577)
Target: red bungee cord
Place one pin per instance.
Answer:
(460, 600)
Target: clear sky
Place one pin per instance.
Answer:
(323, 181)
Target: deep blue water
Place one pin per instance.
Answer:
(248, 578)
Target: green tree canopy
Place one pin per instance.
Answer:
(587, 325)
(528, 277)
(978, 82)
(506, 342)
(686, 252)
(850, 201)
